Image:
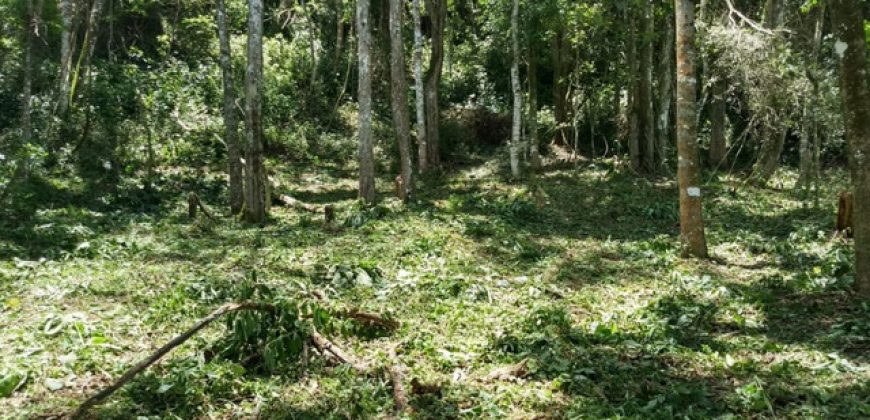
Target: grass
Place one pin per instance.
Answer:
(577, 272)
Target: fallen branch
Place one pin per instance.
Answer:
(193, 202)
(397, 377)
(371, 319)
(326, 346)
(327, 210)
(154, 357)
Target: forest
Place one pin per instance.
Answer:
(434, 209)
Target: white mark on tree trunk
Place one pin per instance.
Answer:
(840, 47)
(693, 191)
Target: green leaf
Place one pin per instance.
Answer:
(9, 383)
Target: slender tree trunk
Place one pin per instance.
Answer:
(534, 139)
(560, 112)
(516, 128)
(438, 14)
(419, 91)
(809, 123)
(774, 139)
(256, 205)
(27, 85)
(231, 119)
(366, 148)
(772, 14)
(66, 55)
(646, 88)
(633, 97)
(339, 33)
(399, 88)
(89, 44)
(666, 90)
(691, 222)
(851, 48)
(716, 87)
(718, 139)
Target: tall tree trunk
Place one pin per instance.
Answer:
(438, 14)
(666, 90)
(634, 98)
(399, 89)
(89, 44)
(534, 139)
(716, 87)
(419, 91)
(774, 138)
(231, 119)
(516, 128)
(366, 148)
(718, 139)
(30, 26)
(560, 111)
(646, 87)
(256, 204)
(691, 221)
(809, 123)
(66, 55)
(851, 48)
(339, 33)
(772, 14)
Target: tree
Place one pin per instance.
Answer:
(666, 88)
(399, 90)
(851, 48)
(688, 177)
(419, 91)
(256, 204)
(437, 16)
(634, 99)
(516, 128)
(231, 121)
(30, 30)
(774, 142)
(67, 39)
(366, 151)
(646, 90)
(534, 139)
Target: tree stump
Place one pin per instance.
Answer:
(844, 213)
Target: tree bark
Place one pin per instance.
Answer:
(89, 44)
(66, 55)
(366, 148)
(560, 112)
(399, 88)
(774, 139)
(851, 47)
(633, 97)
(534, 139)
(772, 14)
(27, 85)
(516, 127)
(646, 88)
(666, 91)
(810, 122)
(718, 139)
(691, 222)
(231, 119)
(419, 91)
(438, 14)
(256, 204)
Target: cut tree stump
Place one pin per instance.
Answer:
(844, 213)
